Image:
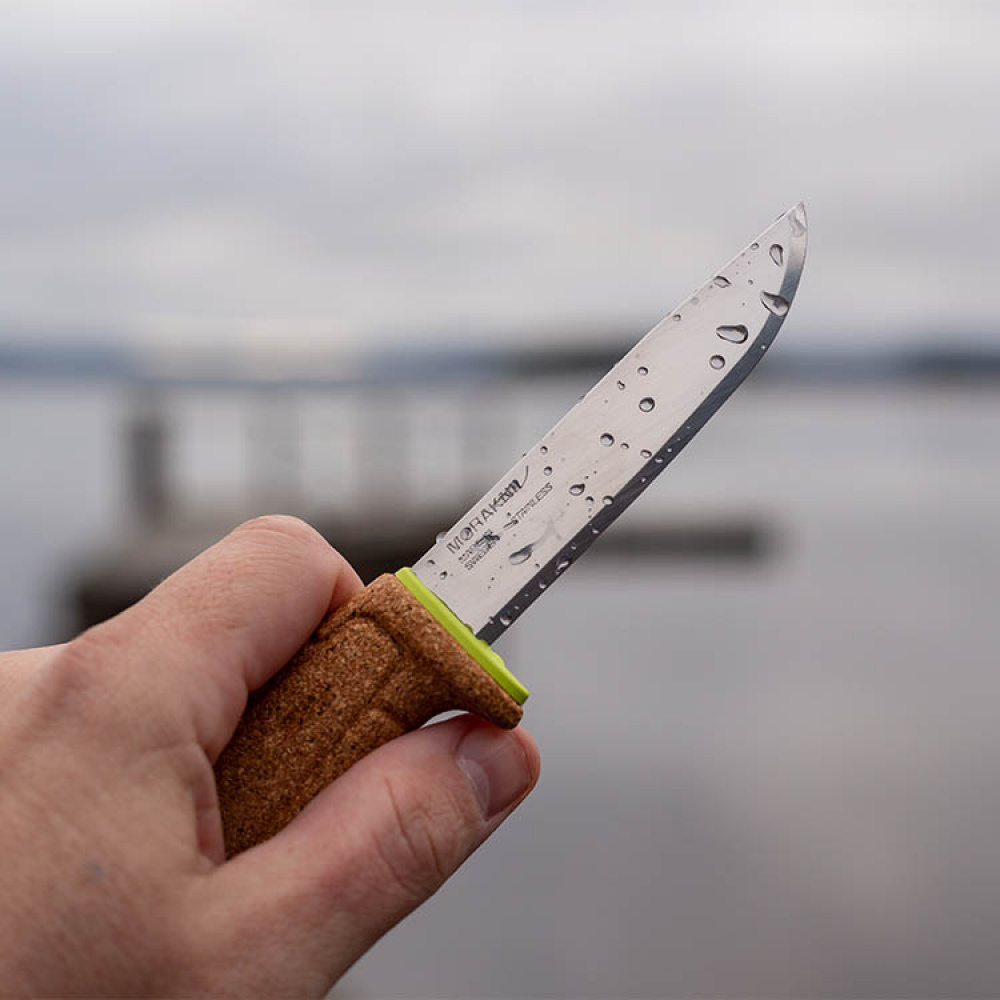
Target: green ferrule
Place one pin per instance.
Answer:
(463, 635)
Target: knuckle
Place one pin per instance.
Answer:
(84, 661)
(423, 841)
(286, 537)
(73, 681)
(278, 548)
(285, 527)
(92, 681)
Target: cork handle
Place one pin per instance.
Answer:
(375, 668)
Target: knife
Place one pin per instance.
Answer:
(417, 643)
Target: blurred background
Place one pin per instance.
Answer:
(349, 260)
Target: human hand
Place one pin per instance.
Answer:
(113, 878)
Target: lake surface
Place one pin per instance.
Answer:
(772, 776)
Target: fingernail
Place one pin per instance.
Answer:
(496, 766)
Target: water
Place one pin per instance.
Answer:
(777, 254)
(646, 404)
(721, 281)
(521, 555)
(774, 303)
(717, 361)
(770, 777)
(61, 488)
(607, 440)
(734, 334)
(797, 220)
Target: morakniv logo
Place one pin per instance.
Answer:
(487, 511)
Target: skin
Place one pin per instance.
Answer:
(113, 879)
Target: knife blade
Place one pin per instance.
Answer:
(415, 644)
(543, 514)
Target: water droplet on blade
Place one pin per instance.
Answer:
(624, 446)
(561, 565)
(721, 281)
(608, 501)
(443, 573)
(717, 361)
(505, 620)
(646, 404)
(521, 555)
(734, 334)
(774, 303)
(797, 220)
(754, 246)
(547, 471)
(576, 489)
(621, 384)
(440, 536)
(643, 370)
(607, 440)
(544, 449)
(777, 253)
(646, 453)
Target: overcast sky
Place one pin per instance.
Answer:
(319, 175)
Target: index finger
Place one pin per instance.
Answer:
(223, 624)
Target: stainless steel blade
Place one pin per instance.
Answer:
(544, 513)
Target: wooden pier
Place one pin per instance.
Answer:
(164, 529)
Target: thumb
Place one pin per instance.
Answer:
(368, 850)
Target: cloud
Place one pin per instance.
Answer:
(356, 175)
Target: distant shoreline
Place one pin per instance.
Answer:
(120, 366)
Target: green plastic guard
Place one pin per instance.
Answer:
(463, 635)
